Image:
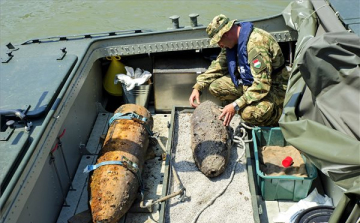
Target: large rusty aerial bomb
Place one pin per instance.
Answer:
(114, 187)
(210, 139)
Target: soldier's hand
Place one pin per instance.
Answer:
(228, 113)
(195, 95)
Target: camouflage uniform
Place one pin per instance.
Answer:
(262, 102)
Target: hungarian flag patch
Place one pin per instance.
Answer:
(257, 63)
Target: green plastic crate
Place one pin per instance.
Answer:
(279, 187)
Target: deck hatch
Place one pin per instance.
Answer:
(33, 81)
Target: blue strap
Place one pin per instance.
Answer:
(131, 116)
(133, 167)
(90, 168)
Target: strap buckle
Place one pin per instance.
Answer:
(131, 116)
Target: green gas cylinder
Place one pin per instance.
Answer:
(115, 67)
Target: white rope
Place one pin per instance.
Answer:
(311, 14)
(246, 126)
(238, 140)
(324, 5)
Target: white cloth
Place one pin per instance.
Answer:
(132, 78)
(312, 200)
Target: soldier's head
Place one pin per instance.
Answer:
(219, 28)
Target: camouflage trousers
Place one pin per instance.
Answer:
(265, 112)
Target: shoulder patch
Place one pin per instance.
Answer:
(257, 63)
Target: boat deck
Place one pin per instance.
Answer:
(76, 205)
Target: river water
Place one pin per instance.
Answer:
(21, 20)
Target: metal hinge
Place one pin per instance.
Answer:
(63, 53)
(11, 48)
(10, 56)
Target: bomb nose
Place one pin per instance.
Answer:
(213, 165)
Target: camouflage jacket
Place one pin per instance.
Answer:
(261, 47)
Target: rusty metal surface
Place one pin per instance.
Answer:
(113, 188)
(210, 139)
